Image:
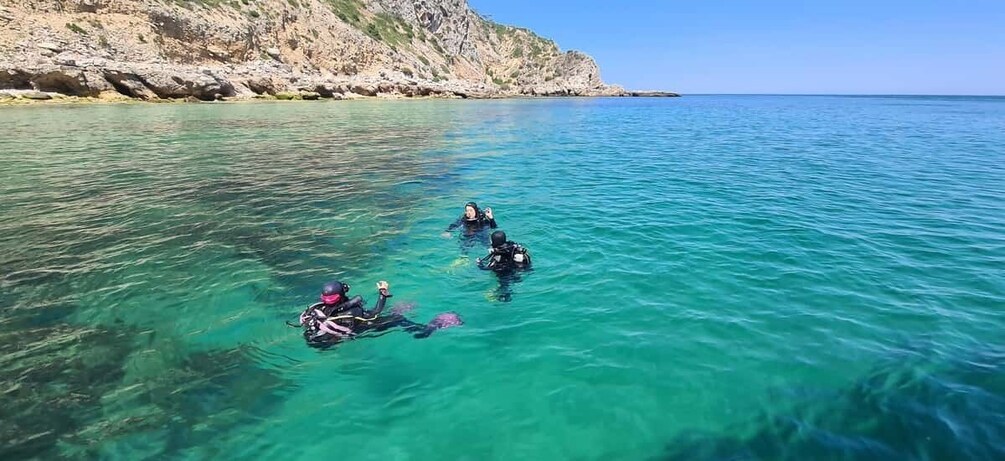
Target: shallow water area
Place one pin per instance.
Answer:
(716, 277)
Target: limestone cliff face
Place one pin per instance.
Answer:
(213, 48)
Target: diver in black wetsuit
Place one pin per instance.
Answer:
(473, 220)
(338, 317)
(507, 259)
(473, 224)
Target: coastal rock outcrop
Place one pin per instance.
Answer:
(208, 50)
(36, 95)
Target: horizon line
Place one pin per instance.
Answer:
(1001, 95)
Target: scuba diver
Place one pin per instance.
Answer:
(507, 259)
(338, 317)
(473, 220)
(473, 224)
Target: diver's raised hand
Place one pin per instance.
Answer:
(488, 213)
(382, 287)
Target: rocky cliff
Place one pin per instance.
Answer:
(211, 49)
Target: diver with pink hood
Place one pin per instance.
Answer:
(337, 317)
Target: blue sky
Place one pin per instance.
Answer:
(777, 46)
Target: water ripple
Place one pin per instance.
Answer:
(715, 277)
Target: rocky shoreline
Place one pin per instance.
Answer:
(76, 78)
(73, 75)
(208, 50)
(652, 94)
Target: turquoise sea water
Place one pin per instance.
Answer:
(716, 277)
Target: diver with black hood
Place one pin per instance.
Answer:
(338, 317)
(507, 259)
(473, 220)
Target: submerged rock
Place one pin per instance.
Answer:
(53, 380)
(903, 409)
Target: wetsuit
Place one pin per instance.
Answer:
(326, 325)
(480, 222)
(471, 226)
(505, 257)
(507, 260)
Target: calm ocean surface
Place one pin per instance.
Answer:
(716, 278)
